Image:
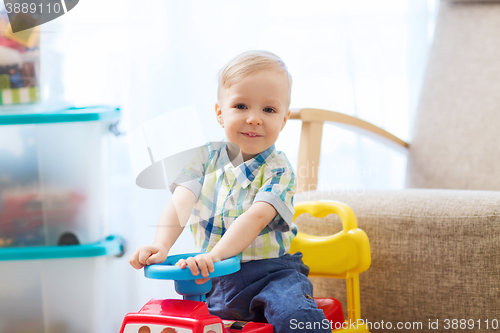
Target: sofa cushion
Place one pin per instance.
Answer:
(435, 254)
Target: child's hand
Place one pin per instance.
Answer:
(148, 255)
(202, 262)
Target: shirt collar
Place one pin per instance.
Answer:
(245, 172)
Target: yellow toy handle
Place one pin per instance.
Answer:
(321, 209)
(342, 255)
(338, 255)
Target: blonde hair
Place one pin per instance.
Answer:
(251, 62)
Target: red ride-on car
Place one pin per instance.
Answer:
(191, 314)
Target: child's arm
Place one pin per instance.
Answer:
(170, 226)
(242, 232)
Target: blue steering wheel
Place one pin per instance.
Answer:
(185, 281)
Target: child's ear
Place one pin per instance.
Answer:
(218, 114)
(285, 119)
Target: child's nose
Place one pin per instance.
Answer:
(254, 119)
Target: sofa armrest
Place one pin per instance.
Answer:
(435, 254)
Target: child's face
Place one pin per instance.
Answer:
(253, 111)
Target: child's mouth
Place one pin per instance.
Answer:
(250, 134)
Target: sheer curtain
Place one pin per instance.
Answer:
(363, 58)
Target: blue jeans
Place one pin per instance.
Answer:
(275, 290)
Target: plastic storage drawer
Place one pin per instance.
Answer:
(52, 205)
(52, 176)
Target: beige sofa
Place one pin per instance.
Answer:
(436, 245)
(435, 255)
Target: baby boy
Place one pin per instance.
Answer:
(239, 196)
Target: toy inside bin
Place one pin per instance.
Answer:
(19, 63)
(52, 176)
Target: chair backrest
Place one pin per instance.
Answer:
(342, 255)
(311, 137)
(455, 142)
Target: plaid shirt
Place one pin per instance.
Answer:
(224, 192)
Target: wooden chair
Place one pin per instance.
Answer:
(310, 140)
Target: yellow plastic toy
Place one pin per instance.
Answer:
(343, 255)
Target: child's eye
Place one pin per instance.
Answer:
(269, 110)
(241, 106)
